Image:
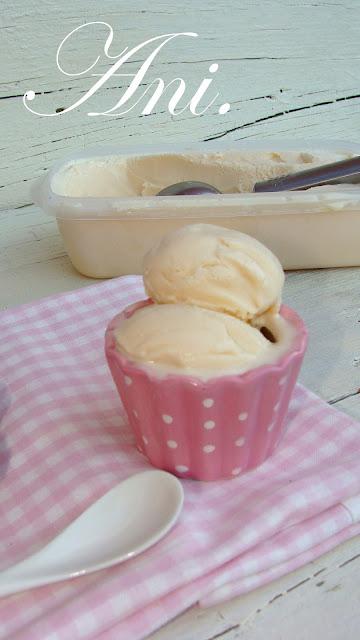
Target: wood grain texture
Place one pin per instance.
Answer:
(328, 300)
(282, 67)
(289, 68)
(320, 600)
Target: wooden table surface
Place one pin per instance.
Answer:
(288, 69)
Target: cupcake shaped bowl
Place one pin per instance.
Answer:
(206, 367)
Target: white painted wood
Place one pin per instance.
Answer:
(350, 405)
(289, 68)
(328, 300)
(320, 600)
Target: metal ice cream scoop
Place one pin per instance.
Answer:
(345, 171)
(188, 188)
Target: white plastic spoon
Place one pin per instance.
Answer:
(128, 519)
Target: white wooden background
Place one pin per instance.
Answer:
(289, 68)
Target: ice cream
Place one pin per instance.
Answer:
(131, 176)
(206, 392)
(212, 290)
(180, 336)
(214, 268)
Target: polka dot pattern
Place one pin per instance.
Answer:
(209, 448)
(208, 403)
(206, 420)
(236, 471)
(181, 468)
(208, 424)
(207, 429)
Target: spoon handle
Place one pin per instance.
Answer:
(34, 571)
(343, 171)
(125, 521)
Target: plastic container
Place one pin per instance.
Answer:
(213, 429)
(108, 236)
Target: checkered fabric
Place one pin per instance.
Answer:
(65, 441)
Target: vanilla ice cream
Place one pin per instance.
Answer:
(228, 171)
(180, 337)
(215, 268)
(215, 296)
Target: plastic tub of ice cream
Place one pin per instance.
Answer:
(109, 215)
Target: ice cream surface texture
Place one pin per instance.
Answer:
(180, 336)
(212, 291)
(214, 268)
(132, 176)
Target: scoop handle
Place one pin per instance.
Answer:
(343, 171)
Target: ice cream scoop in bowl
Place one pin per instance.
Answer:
(205, 387)
(206, 429)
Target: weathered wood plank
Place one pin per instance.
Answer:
(350, 405)
(328, 300)
(262, 51)
(291, 607)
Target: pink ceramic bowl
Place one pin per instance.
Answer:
(207, 430)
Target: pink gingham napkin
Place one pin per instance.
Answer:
(65, 441)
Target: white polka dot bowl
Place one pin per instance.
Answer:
(207, 430)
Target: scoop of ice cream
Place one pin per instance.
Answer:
(215, 268)
(188, 338)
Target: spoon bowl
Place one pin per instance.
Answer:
(127, 520)
(188, 188)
